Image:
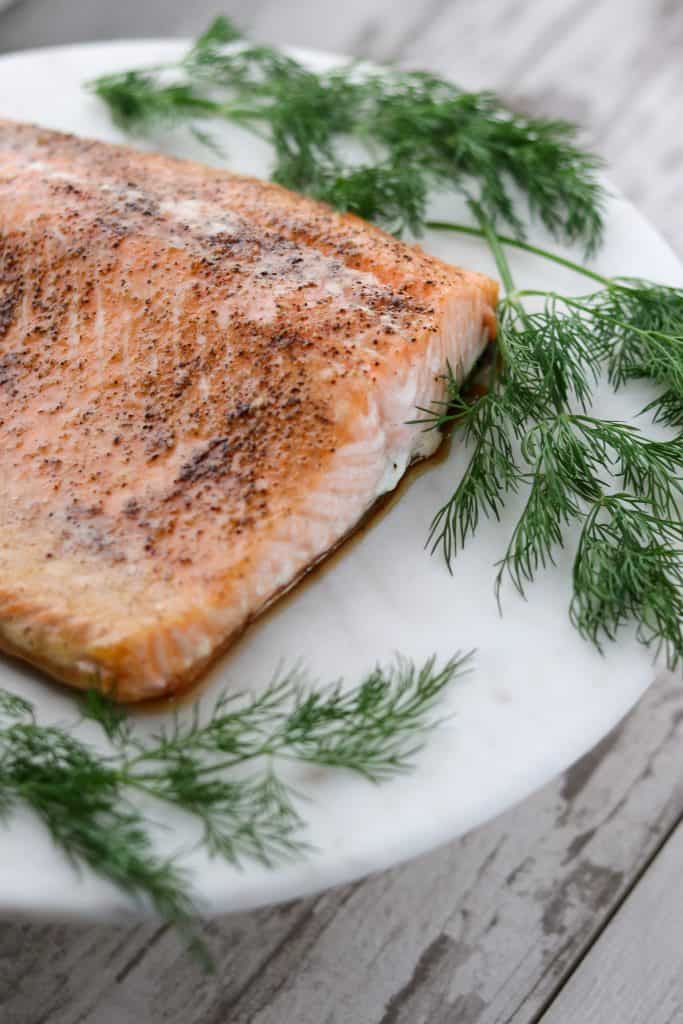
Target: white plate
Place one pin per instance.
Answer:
(539, 698)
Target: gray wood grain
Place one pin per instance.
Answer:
(635, 972)
(490, 928)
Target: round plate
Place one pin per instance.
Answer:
(539, 696)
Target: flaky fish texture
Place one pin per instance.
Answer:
(205, 383)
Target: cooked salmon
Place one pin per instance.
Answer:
(205, 383)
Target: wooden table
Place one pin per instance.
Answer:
(568, 908)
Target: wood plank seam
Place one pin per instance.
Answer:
(609, 917)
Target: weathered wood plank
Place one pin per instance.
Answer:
(62, 972)
(52, 22)
(481, 931)
(633, 974)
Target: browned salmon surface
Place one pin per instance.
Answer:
(205, 382)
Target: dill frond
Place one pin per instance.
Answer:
(220, 771)
(417, 132)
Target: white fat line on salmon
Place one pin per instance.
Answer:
(100, 333)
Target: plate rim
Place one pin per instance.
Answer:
(111, 903)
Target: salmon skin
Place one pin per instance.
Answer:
(205, 383)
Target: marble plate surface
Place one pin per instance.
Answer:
(539, 696)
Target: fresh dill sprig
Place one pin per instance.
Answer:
(621, 486)
(221, 771)
(647, 330)
(81, 799)
(634, 326)
(415, 132)
(629, 566)
(492, 471)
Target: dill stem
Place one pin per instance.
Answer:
(144, 782)
(496, 248)
(209, 767)
(488, 233)
(466, 229)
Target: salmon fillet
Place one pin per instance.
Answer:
(205, 383)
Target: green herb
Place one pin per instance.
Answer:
(634, 326)
(222, 771)
(629, 560)
(415, 132)
(629, 565)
